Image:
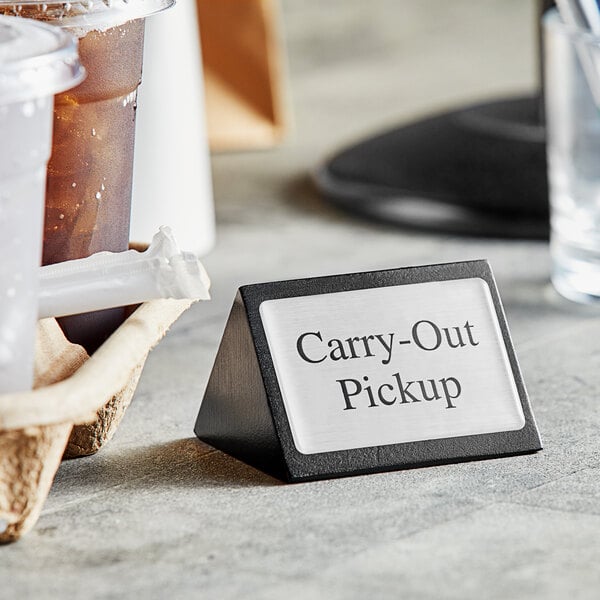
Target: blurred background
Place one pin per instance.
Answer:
(350, 69)
(359, 67)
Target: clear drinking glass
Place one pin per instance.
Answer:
(88, 199)
(572, 78)
(36, 61)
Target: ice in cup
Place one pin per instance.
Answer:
(36, 61)
(88, 199)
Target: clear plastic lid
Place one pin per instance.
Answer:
(85, 15)
(36, 60)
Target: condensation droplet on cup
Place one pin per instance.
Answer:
(130, 98)
(103, 187)
(61, 216)
(93, 131)
(8, 335)
(28, 109)
(98, 195)
(74, 184)
(6, 355)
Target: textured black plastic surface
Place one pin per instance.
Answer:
(235, 415)
(479, 170)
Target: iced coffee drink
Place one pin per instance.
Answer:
(89, 174)
(88, 197)
(36, 61)
(90, 171)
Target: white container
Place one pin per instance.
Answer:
(36, 61)
(172, 179)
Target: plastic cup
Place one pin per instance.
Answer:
(88, 199)
(36, 61)
(572, 75)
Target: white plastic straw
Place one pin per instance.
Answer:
(109, 279)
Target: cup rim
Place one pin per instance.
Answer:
(44, 74)
(81, 16)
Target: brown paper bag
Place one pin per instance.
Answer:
(242, 60)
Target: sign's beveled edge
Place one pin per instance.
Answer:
(392, 456)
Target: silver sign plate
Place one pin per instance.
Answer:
(391, 365)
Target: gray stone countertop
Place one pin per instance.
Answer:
(157, 514)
